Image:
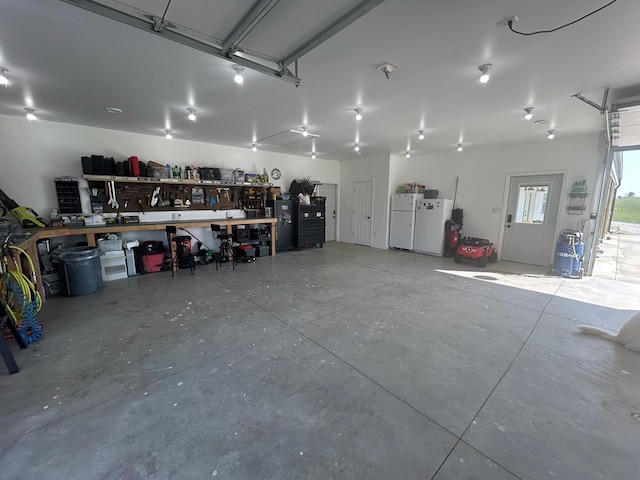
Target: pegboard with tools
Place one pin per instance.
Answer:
(111, 195)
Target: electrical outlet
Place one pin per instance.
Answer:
(505, 22)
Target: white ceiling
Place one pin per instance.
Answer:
(69, 64)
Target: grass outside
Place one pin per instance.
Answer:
(627, 210)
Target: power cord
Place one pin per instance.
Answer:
(510, 22)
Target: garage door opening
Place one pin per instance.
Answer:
(618, 253)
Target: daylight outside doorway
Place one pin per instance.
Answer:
(618, 254)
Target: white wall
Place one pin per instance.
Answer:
(375, 169)
(483, 172)
(33, 153)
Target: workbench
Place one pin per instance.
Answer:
(29, 244)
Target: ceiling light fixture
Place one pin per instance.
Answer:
(304, 132)
(484, 78)
(168, 135)
(31, 114)
(528, 113)
(460, 147)
(407, 155)
(3, 77)
(356, 148)
(192, 114)
(313, 155)
(421, 135)
(254, 147)
(238, 78)
(552, 134)
(358, 114)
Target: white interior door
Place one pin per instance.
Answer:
(362, 212)
(328, 190)
(532, 213)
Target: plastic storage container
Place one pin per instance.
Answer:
(79, 269)
(110, 245)
(113, 266)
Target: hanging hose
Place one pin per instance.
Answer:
(19, 295)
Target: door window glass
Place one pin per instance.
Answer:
(532, 203)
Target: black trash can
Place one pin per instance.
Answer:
(79, 270)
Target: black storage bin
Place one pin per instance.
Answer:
(87, 165)
(430, 193)
(79, 270)
(97, 164)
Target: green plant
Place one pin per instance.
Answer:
(627, 210)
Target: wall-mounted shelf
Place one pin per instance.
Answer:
(115, 178)
(577, 198)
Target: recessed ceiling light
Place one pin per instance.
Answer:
(420, 134)
(192, 114)
(358, 114)
(168, 135)
(3, 77)
(528, 113)
(31, 117)
(113, 109)
(540, 122)
(484, 78)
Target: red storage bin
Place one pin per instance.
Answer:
(134, 166)
(153, 262)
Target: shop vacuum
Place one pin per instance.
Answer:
(569, 254)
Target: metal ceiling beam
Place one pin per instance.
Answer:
(149, 23)
(250, 20)
(331, 30)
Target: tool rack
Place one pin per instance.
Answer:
(140, 194)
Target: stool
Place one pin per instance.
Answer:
(226, 253)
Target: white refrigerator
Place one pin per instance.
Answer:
(403, 213)
(431, 215)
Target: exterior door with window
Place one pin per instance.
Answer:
(362, 211)
(532, 213)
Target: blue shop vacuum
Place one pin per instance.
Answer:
(569, 254)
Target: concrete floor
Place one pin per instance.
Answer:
(618, 256)
(344, 362)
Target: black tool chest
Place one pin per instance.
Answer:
(310, 223)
